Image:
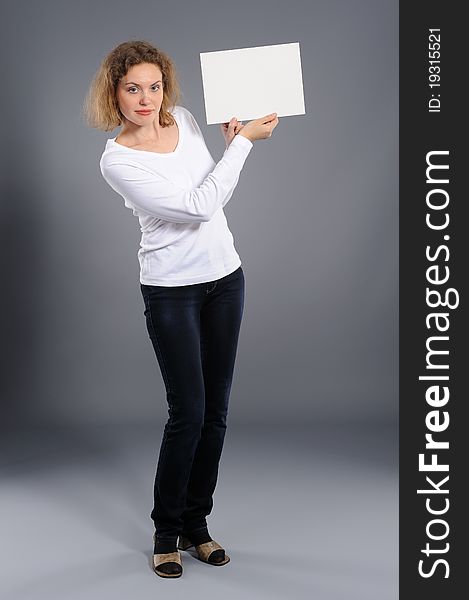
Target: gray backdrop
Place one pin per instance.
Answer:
(310, 456)
(314, 216)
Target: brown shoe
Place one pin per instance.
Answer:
(209, 552)
(168, 564)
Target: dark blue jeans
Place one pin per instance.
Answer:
(194, 330)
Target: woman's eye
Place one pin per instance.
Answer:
(134, 88)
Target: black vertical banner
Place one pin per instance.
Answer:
(433, 301)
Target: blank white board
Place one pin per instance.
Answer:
(248, 83)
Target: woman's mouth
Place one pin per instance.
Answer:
(143, 112)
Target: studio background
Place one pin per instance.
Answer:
(310, 452)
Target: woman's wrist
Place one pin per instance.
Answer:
(244, 135)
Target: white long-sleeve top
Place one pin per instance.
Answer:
(178, 198)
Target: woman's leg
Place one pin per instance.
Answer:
(173, 323)
(220, 322)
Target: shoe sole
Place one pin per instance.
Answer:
(216, 564)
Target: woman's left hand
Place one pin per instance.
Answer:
(229, 130)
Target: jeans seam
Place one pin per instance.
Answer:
(163, 362)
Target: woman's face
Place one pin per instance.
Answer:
(141, 89)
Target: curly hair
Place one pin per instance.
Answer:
(101, 109)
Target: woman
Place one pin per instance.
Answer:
(191, 278)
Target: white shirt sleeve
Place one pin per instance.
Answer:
(159, 197)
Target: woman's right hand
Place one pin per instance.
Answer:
(260, 129)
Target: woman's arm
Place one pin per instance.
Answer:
(157, 196)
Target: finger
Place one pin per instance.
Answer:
(265, 120)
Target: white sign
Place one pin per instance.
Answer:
(248, 83)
